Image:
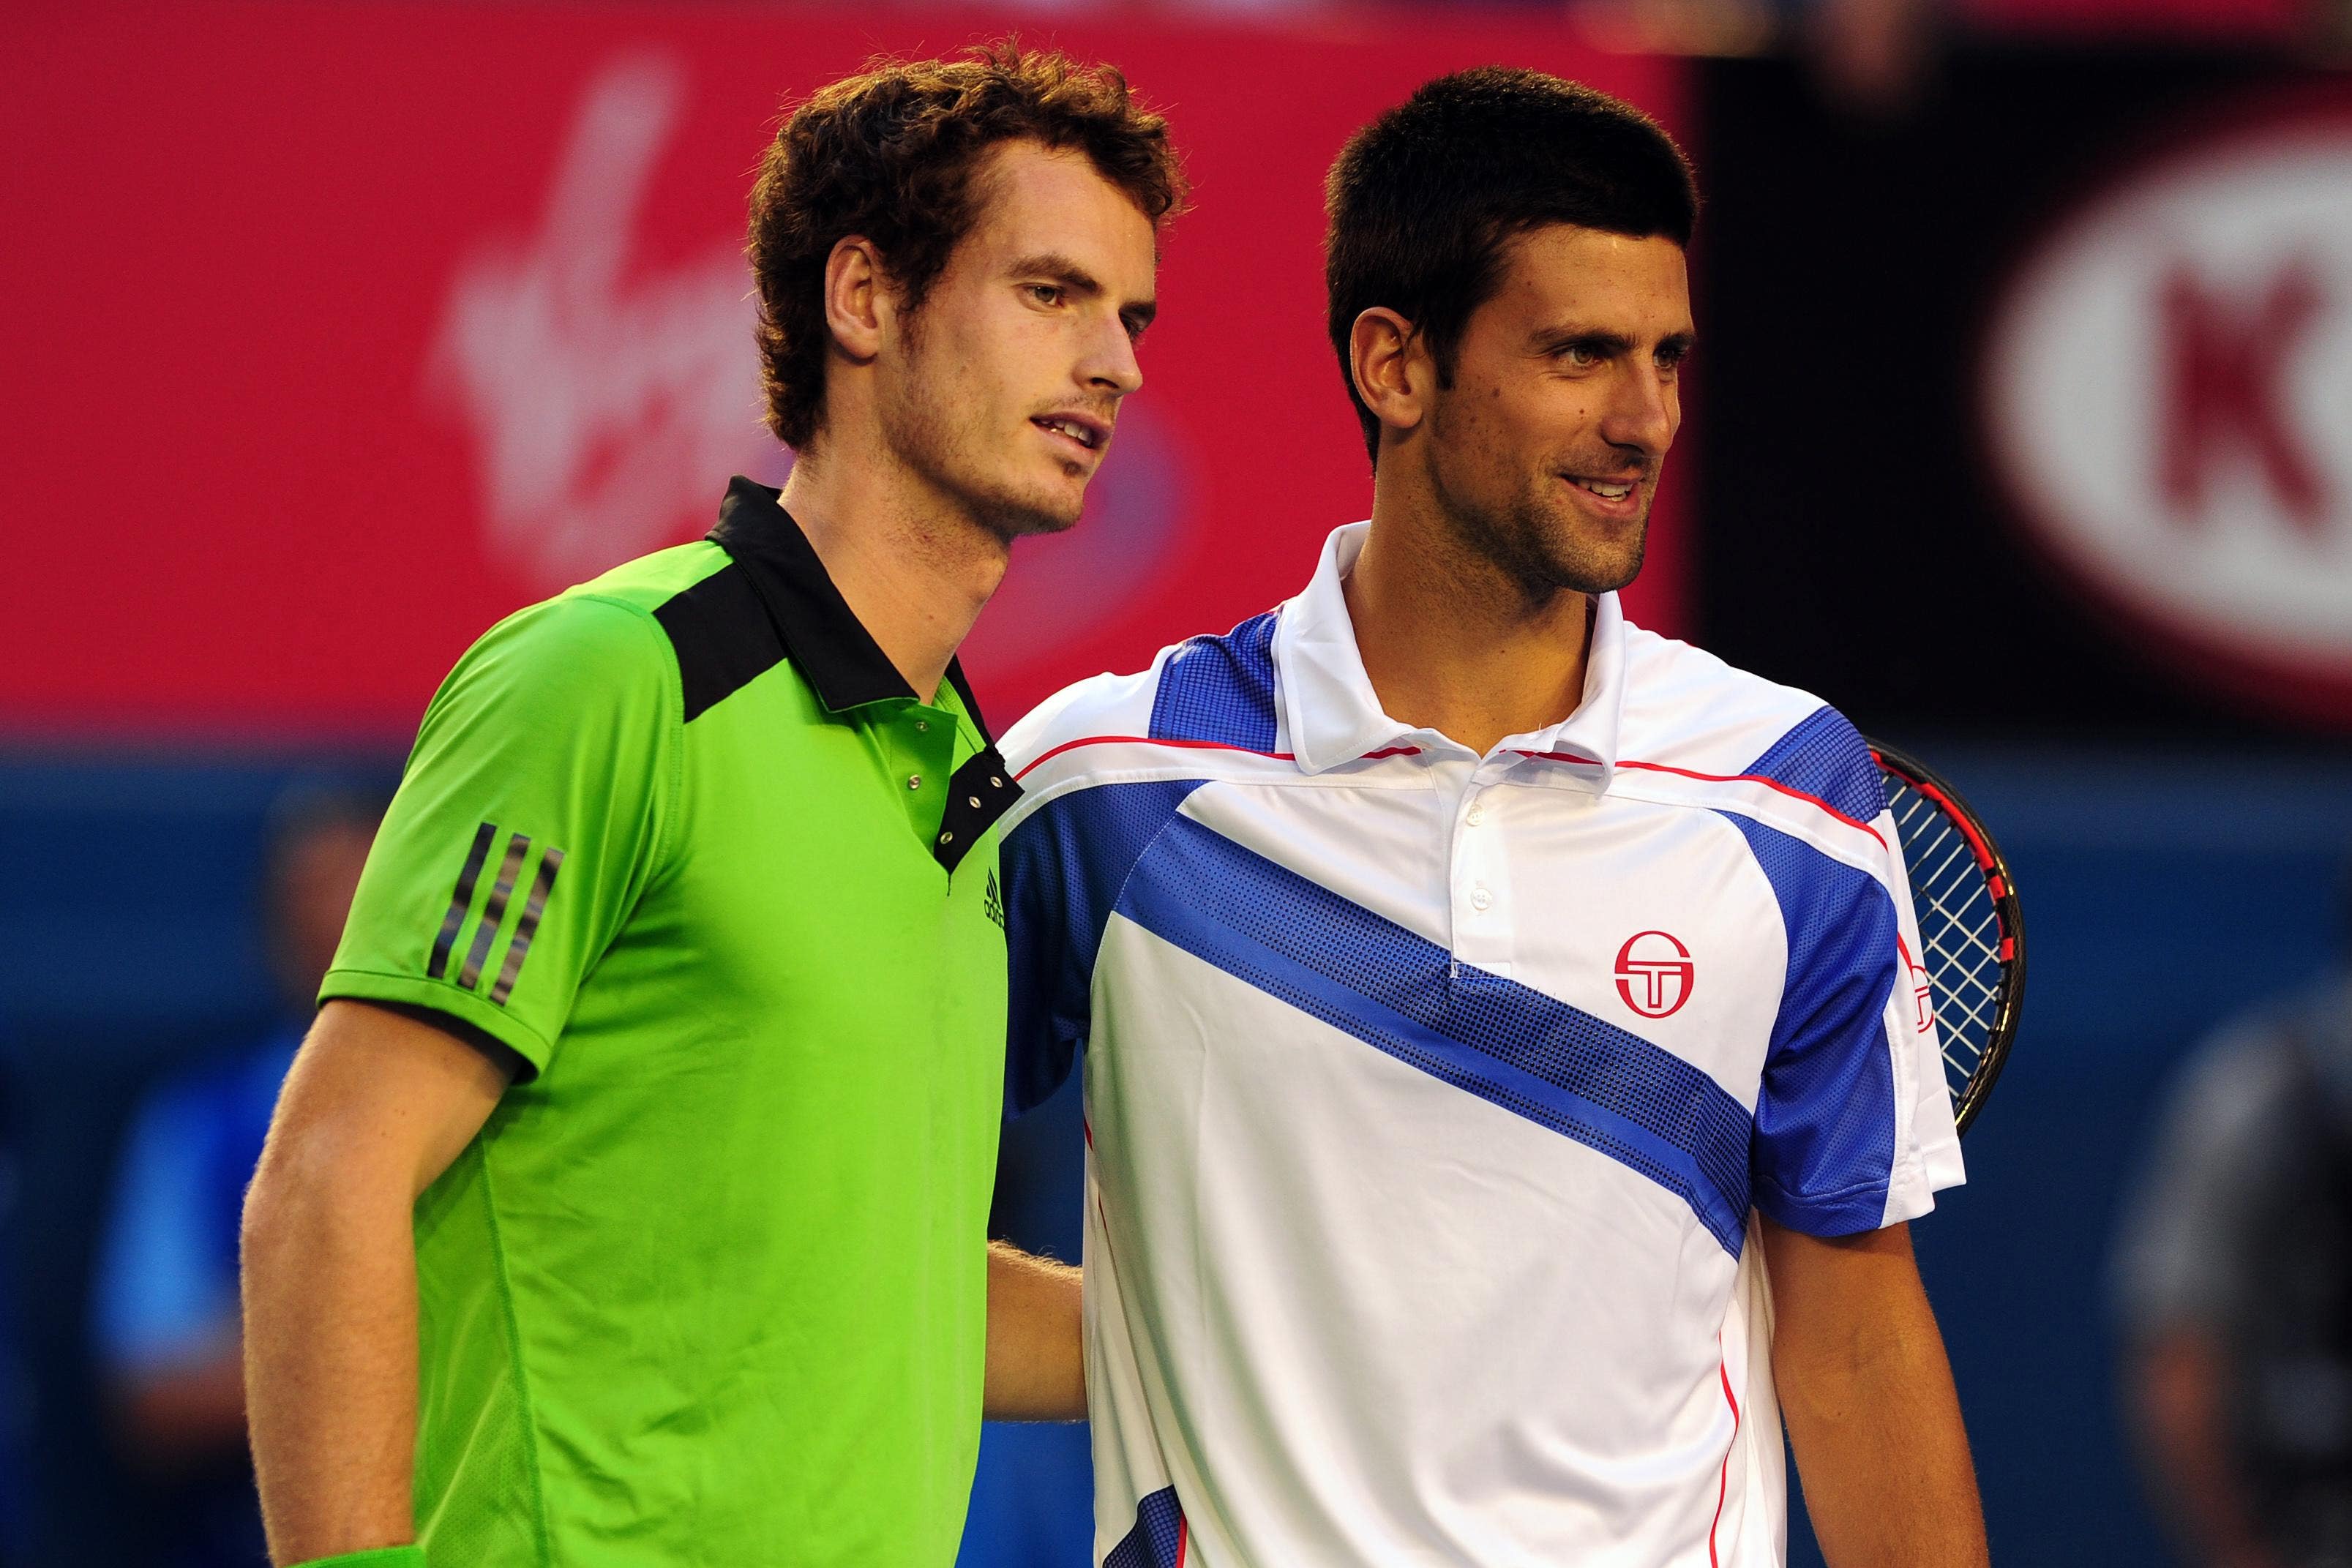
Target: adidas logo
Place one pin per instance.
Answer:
(993, 907)
(475, 968)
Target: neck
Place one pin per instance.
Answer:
(1452, 642)
(914, 568)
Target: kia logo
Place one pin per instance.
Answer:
(2167, 395)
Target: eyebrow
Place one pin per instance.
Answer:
(1606, 342)
(1137, 314)
(1552, 340)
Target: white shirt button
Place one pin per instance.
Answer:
(1478, 813)
(1479, 897)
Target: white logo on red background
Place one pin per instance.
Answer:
(2168, 392)
(610, 400)
(1654, 974)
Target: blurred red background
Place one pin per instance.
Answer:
(354, 327)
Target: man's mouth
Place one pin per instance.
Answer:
(1607, 489)
(1085, 432)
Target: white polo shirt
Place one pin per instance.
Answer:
(1429, 1094)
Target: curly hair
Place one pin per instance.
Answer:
(891, 154)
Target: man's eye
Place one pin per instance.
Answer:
(1046, 293)
(1583, 356)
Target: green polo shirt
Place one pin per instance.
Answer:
(710, 1286)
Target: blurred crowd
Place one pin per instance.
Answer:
(164, 1321)
(2234, 1287)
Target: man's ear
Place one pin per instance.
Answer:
(857, 298)
(1393, 373)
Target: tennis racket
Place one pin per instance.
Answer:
(1970, 969)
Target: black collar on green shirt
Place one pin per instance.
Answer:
(827, 644)
(836, 654)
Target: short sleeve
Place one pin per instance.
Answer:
(530, 818)
(1854, 1128)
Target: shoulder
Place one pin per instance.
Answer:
(1686, 708)
(573, 671)
(1220, 689)
(1202, 704)
(650, 581)
(604, 638)
(577, 639)
(1214, 690)
(1098, 708)
(555, 660)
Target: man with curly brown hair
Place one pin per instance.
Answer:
(627, 1202)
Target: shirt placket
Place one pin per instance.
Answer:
(1478, 884)
(918, 743)
(1483, 890)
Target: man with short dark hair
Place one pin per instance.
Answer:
(627, 1202)
(1481, 996)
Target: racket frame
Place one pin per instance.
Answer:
(2003, 887)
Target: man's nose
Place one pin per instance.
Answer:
(1110, 363)
(1643, 411)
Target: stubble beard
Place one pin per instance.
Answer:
(945, 446)
(1533, 542)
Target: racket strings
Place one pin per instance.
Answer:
(1960, 930)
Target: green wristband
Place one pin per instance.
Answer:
(378, 1557)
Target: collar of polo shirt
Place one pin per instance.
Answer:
(828, 644)
(840, 659)
(1332, 716)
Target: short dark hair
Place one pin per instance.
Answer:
(1425, 200)
(890, 154)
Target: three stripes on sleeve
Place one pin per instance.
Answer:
(494, 911)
